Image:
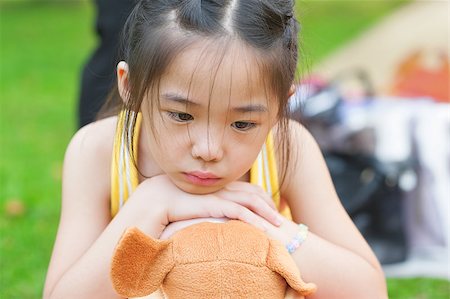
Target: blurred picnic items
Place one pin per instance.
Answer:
(380, 111)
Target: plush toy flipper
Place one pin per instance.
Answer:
(279, 260)
(140, 264)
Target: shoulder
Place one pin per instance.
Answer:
(296, 134)
(303, 164)
(295, 144)
(305, 155)
(88, 158)
(95, 139)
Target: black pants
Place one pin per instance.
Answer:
(99, 73)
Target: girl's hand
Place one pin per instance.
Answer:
(173, 227)
(254, 198)
(238, 200)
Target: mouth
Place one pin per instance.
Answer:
(201, 178)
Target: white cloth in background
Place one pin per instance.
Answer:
(405, 128)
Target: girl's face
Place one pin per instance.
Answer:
(214, 116)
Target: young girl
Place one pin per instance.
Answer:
(205, 86)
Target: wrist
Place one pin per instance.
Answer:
(284, 232)
(290, 234)
(147, 212)
(298, 239)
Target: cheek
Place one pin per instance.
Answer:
(164, 147)
(171, 146)
(247, 151)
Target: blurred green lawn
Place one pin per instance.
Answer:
(42, 48)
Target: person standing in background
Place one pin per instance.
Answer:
(100, 70)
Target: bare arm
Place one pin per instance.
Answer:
(335, 256)
(85, 241)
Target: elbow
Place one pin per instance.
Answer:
(381, 290)
(374, 286)
(48, 293)
(367, 283)
(378, 280)
(370, 283)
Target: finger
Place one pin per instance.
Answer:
(251, 188)
(188, 208)
(232, 210)
(195, 207)
(254, 203)
(211, 206)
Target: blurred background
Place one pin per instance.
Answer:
(373, 89)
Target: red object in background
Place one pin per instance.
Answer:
(423, 75)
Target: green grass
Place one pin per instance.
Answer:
(327, 24)
(42, 48)
(418, 288)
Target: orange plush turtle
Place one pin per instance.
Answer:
(206, 260)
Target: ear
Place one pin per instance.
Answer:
(122, 80)
(140, 264)
(291, 90)
(280, 261)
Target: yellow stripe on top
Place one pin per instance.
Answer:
(124, 174)
(125, 179)
(264, 173)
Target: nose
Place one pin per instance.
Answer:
(207, 147)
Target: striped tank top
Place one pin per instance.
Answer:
(125, 178)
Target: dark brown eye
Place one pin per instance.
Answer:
(243, 125)
(180, 117)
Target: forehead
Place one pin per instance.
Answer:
(210, 70)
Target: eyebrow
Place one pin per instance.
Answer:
(251, 108)
(174, 97)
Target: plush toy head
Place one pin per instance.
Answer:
(206, 260)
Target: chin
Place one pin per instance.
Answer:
(198, 190)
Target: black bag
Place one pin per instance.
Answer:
(371, 195)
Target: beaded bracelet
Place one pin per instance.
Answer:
(299, 238)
